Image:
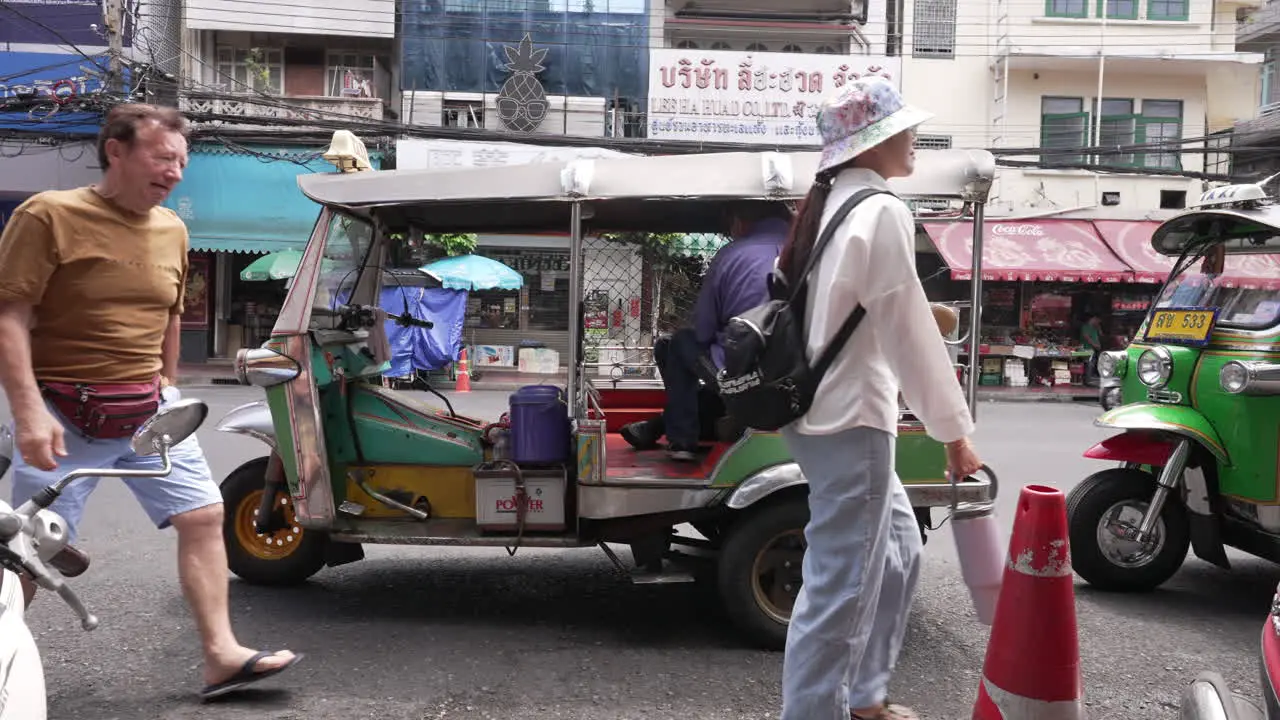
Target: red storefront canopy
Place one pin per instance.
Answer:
(1131, 240)
(1047, 250)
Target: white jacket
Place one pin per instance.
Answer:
(897, 347)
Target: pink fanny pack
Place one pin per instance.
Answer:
(105, 410)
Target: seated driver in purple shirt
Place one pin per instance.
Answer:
(734, 282)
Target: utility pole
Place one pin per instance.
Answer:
(114, 22)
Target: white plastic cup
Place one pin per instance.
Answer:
(982, 561)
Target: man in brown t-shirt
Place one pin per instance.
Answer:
(91, 292)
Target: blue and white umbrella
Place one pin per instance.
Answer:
(472, 272)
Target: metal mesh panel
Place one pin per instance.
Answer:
(935, 28)
(637, 287)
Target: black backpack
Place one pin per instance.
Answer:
(767, 381)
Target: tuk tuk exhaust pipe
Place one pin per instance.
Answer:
(1167, 483)
(262, 523)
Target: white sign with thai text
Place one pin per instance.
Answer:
(441, 154)
(766, 97)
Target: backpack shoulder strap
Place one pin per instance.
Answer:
(829, 232)
(850, 323)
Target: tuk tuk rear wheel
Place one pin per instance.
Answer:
(1109, 562)
(287, 556)
(758, 572)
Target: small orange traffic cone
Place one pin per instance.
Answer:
(1032, 669)
(463, 383)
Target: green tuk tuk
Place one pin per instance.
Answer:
(349, 462)
(1196, 401)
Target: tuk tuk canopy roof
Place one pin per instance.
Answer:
(673, 193)
(1240, 230)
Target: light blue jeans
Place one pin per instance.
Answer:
(190, 485)
(859, 576)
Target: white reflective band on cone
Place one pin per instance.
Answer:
(1016, 707)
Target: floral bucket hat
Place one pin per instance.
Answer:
(863, 115)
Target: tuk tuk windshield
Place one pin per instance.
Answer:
(348, 241)
(1246, 292)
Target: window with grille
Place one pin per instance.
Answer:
(1218, 163)
(350, 74)
(243, 70)
(1123, 125)
(1063, 125)
(934, 29)
(1168, 9)
(463, 114)
(933, 142)
(1162, 122)
(1067, 8)
(1121, 9)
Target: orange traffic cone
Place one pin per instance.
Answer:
(1032, 669)
(463, 383)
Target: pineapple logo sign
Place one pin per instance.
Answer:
(522, 101)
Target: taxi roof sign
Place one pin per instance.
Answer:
(347, 152)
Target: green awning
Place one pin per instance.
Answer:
(249, 202)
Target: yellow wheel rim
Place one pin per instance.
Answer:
(276, 545)
(776, 574)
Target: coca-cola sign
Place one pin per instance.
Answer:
(1017, 229)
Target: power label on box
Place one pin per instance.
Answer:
(497, 504)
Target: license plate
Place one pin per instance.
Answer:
(1189, 327)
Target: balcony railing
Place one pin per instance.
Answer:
(1261, 27)
(287, 108)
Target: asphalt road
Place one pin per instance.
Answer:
(424, 633)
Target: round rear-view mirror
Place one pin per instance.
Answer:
(177, 420)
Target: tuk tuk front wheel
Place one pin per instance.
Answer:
(1101, 509)
(759, 570)
(286, 556)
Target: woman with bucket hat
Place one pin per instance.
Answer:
(863, 557)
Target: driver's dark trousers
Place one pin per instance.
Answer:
(691, 412)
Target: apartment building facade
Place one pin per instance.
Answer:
(1253, 139)
(53, 70)
(1077, 91)
(238, 64)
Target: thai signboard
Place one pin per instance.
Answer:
(765, 97)
(43, 92)
(56, 22)
(415, 154)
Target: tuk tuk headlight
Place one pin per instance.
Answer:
(1234, 377)
(1155, 367)
(1112, 363)
(1243, 377)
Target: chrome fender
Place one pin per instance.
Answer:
(1209, 698)
(252, 419)
(779, 477)
(765, 483)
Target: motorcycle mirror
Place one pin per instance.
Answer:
(174, 423)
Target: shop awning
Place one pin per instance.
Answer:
(1052, 250)
(1131, 240)
(234, 201)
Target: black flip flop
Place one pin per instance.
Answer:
(246, 675)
